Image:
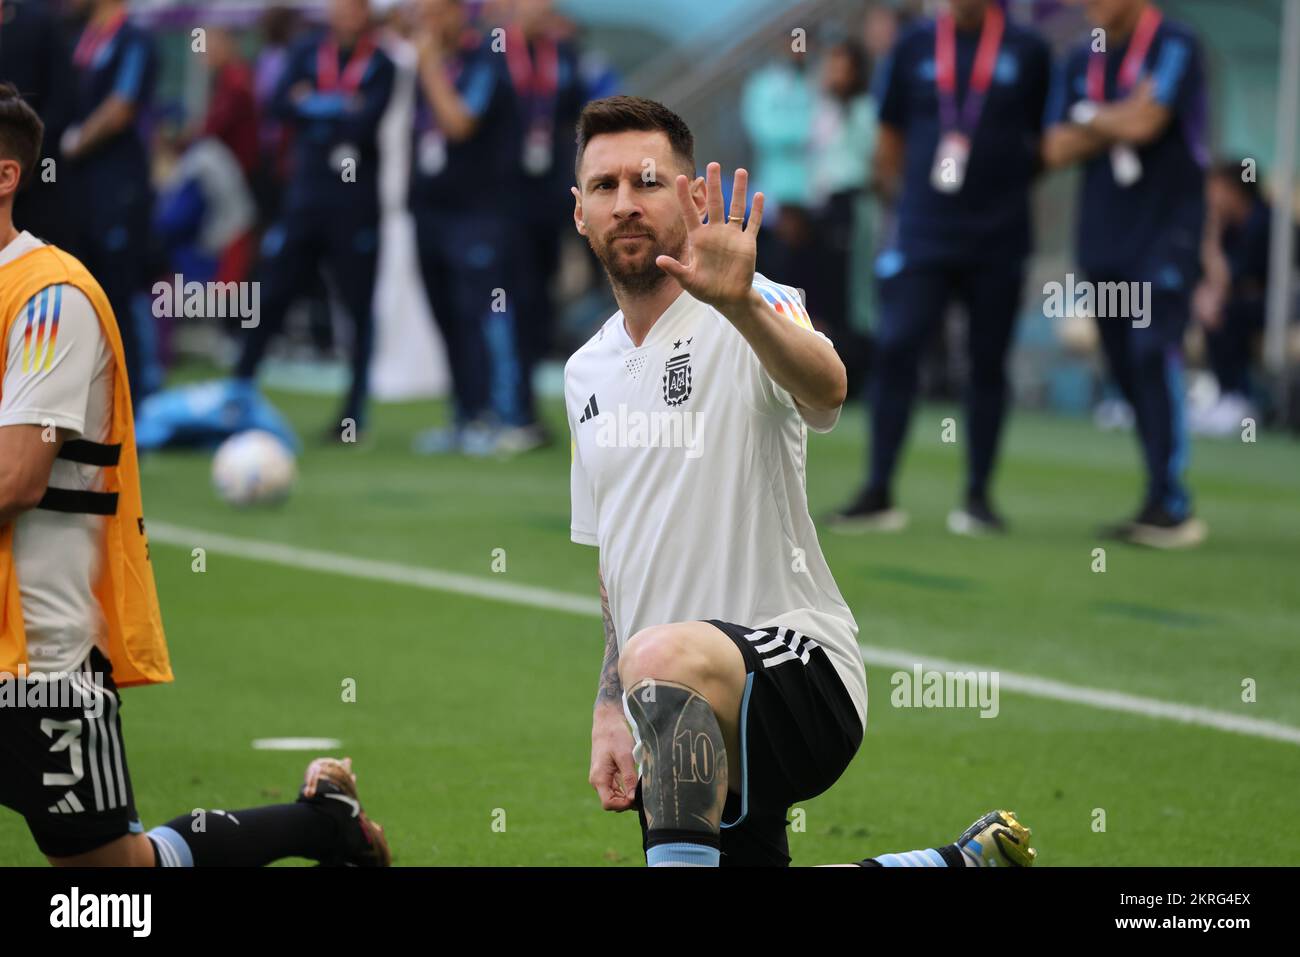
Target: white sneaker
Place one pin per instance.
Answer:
(1113, 415)
(516, 440)
(1226, 417)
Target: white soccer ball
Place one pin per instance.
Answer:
(253, 468)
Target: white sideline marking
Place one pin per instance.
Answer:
(550, 600)
(1100, 698)
(296, 744)
(387, 572)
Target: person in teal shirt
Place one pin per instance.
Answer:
(776, 108)
(843, 140)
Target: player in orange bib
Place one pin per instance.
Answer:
(79, 613)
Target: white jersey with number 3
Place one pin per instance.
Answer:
(688, 474)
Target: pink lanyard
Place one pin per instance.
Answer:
(94, 39)
(536, 83)
(327, 66)
(1131, 65)
(945, 70)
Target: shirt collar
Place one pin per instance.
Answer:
(666, 320)
(24, 243)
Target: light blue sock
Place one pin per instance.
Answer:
(926, 858)
(170, 847)
(682, 854)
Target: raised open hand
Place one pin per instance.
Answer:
(720, 256)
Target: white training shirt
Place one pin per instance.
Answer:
(688, 474)
(56, 555)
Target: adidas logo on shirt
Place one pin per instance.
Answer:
(591, 411)
(68, 805)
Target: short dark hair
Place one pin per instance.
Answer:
(619, 114)
(857, 57)
(21, 132)
(1230, 172)
(279, 24)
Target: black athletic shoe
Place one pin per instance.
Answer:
(1154, 527)
(871, 511)
(330, 783)
(977, 518)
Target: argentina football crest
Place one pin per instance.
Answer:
(677, 379)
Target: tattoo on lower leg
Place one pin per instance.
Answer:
(684, 760)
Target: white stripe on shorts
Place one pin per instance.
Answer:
(92, 745)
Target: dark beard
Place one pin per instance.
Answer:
(637, 280)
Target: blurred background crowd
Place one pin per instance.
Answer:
(395, 176)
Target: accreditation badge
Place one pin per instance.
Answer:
(537, 152)
(432, 153)
(1125, 165)
(950, 159)
(341, 154)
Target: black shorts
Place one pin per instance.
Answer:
(799, 730)
(62, 766)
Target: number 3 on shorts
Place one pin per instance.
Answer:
(69, 741)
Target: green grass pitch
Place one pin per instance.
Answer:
(471, 725)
